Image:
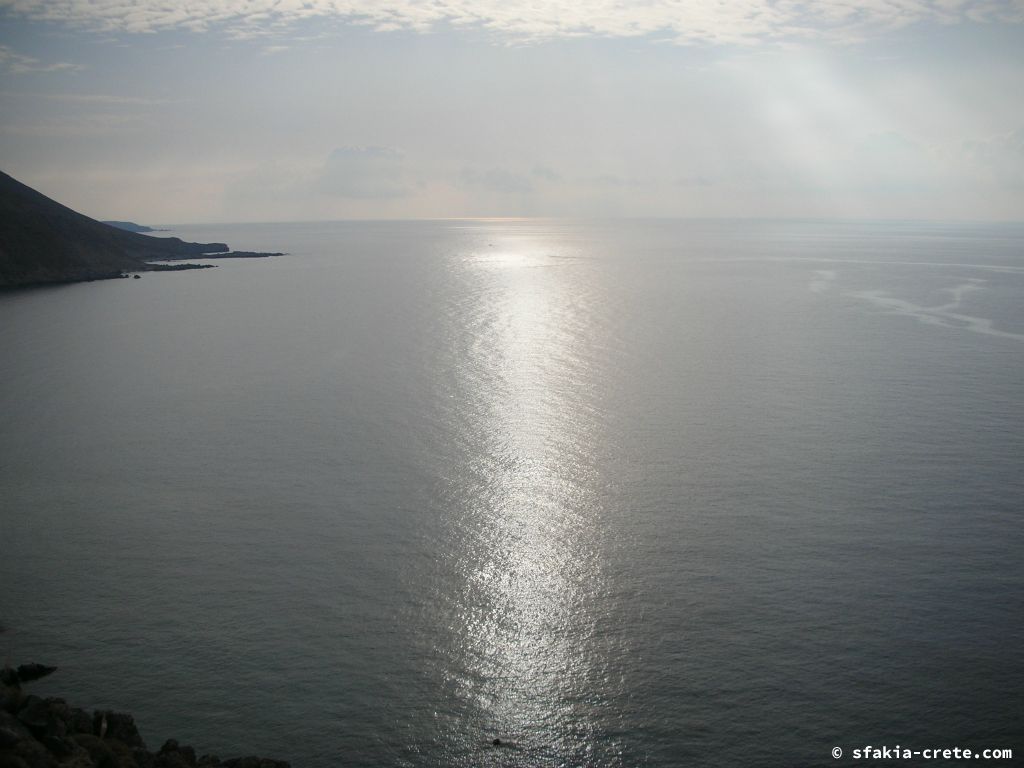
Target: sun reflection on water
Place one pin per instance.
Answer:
(525, 507)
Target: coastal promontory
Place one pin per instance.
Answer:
(42, 241)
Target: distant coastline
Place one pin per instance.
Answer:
(232, 255)
(131, 226)
(43, 242)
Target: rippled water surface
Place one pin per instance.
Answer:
(619, 494)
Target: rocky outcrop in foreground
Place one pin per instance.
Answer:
(49, 733)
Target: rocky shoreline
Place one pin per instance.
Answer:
(49, 733)
(229, 255)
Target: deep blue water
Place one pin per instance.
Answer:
(623, 494)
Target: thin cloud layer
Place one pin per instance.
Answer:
(19, 63)
(697, 21)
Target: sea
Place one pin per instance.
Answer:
(615, 493)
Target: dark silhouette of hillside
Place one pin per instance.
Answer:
(42, 241)
(131, 226)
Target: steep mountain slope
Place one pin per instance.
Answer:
(42, 241)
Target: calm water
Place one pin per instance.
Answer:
(633, 494)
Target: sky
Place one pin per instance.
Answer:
(167, 112)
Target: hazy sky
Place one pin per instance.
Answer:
(270, 110)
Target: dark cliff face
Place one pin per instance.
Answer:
(42, 241)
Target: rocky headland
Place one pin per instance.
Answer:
(42, 241)
(241, 255)
(49, 733)
(131, 226)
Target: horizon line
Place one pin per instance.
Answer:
(509, 219)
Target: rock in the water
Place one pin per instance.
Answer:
(29, 672)
(26, 673)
